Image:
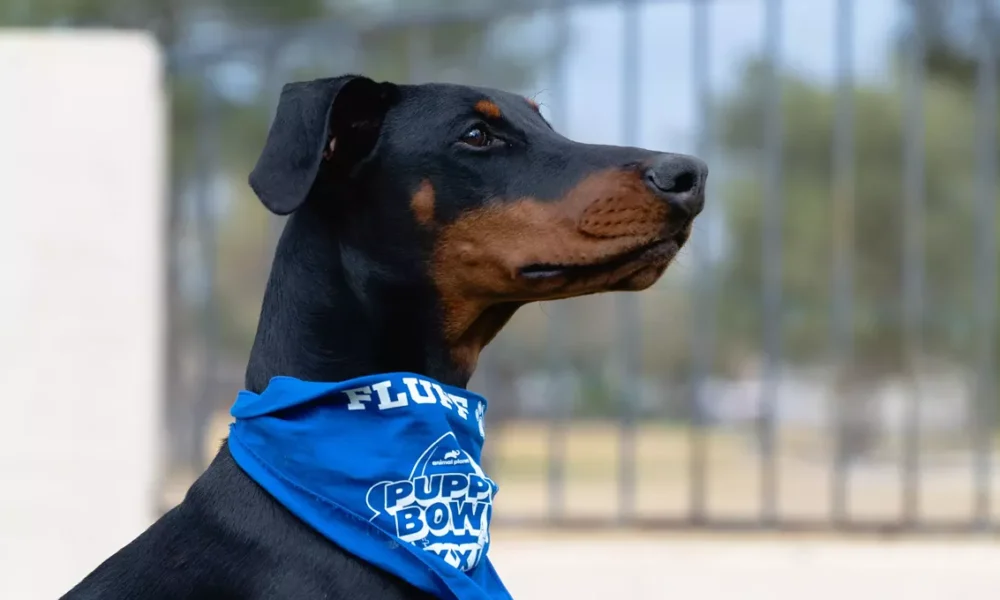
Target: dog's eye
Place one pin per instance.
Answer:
(477, 137)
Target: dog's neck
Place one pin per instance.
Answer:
(326, 317)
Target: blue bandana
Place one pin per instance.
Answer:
(385, 466)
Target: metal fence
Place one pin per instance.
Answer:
(631, 465)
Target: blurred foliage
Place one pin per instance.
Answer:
(950, 331)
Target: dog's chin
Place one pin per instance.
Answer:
(634, 270)
(647, 269)
(643, 278)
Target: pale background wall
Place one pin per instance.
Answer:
(81, 187)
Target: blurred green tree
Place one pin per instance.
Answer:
(949, 329)
(879, 222)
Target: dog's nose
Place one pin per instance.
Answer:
(680, 181)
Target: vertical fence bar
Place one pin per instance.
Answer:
(628, 304)
(173, 368)
(986, 262)
(771, 249)
(704, 284)
(842, 317)
(556, 351)
(559, 413)
(207, 231)
(913, 266)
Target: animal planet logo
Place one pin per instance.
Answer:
(444, 507)
(480, 415)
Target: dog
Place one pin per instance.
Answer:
(421, 217)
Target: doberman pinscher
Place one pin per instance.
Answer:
(421, 218)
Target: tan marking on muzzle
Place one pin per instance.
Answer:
(622, 208)
(477, 258)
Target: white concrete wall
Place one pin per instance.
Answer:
(82, 182)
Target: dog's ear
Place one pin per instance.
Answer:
(323, 124)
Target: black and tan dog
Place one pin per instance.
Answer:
(422, 218)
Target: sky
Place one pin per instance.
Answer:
(668, 113)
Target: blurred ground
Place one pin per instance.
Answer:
(747, 569)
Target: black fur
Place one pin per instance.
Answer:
(350, 294)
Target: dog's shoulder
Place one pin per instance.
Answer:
(187, 553)
(229, 539)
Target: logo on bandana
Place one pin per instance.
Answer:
(480, 414)
(444, 507)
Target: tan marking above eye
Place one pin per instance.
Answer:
(488, 109)
(422, 203)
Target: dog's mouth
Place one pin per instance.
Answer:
(657, 252)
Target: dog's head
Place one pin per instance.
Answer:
(468, 200)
